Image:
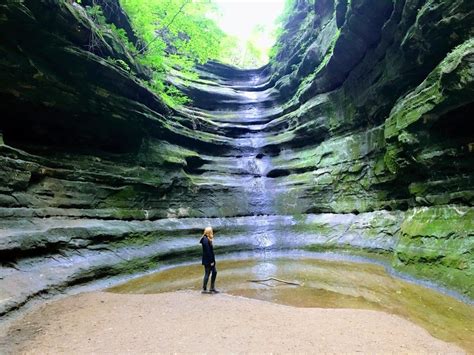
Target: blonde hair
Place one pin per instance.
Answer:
(209, 233)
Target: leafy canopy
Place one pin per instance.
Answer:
(177, 34)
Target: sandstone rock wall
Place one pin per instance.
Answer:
(358, 135)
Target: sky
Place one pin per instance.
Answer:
(239, 17)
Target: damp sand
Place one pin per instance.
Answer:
(191, 322)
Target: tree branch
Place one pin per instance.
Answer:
(275, 279)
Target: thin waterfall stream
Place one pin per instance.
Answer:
(344, 167)
(272, 241)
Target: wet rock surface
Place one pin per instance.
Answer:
(357, 135)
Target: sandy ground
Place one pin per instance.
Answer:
(190, 322)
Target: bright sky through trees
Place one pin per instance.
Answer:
(252, 22)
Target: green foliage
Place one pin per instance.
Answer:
(287, 11)
(122, 35)
(282, 22)
(120, 63)
(177, 34)
(250, 54)
(96, 15)
(176, 27)
(172, 96)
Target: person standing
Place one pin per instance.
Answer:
(208, 260)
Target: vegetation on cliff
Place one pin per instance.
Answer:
(178, 34)
(360, 126)
(169, 34)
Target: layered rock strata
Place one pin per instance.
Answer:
(358, 135)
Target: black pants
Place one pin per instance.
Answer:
(207, 271)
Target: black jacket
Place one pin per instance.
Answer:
(207, 251)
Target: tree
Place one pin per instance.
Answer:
(177, 34)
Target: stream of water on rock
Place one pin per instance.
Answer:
(249, 167)
(324, 284)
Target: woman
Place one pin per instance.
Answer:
(208, 260)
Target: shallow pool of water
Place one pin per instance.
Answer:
(325, 284)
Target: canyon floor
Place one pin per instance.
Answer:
(187, 321)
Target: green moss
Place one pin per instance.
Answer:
(379, 167)
(440, 222)
(122, 198)
(324, 62)
(314, 228)
(329, 53)
(418, 189)
(437, 89)
(390, 160)
(372, 253)
(438, 243)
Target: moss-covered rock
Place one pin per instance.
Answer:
(437, 243)
(356, 136)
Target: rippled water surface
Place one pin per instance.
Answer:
(325, 284)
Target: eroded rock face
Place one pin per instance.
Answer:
(357, 136)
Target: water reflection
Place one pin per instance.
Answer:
(264, 240)
(326, 284)
(264, 270)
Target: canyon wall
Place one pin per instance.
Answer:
(357, 136)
